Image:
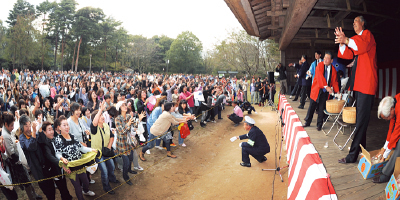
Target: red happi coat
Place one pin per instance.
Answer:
(393, 135)
(320, 81)
(366, 79)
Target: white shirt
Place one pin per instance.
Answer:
(328, 68)
(351, 44)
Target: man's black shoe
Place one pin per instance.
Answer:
(295, 99)
(111, 192)
(132, 172)
(203, 125)
(220, 118)
(129, 183)
(39, 197)
(306, 125)
(301, 107)
(245, 164)
(319, 128)
(117, 181)
(262, 160)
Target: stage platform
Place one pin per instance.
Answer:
(346, 179)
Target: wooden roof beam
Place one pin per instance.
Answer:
(276, 13)
(325, 23)
(355, 11)
(250, 16)
(296, 15)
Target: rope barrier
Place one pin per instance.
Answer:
(131, 149)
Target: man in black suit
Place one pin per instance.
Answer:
(305, 83)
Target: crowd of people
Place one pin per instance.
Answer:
(55, 123)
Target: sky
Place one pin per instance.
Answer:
(209, 20)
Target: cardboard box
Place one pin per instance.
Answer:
(366, 168)
(392, 189)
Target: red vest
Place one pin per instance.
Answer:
(320, 81)
(393, 135)
(366, 79)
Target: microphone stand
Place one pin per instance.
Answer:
(278, 169)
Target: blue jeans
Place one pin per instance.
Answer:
(150, 144)
(127, 163)
(107, 173)
(180, 140)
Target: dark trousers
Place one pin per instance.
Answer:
(217, 110)
(236, 119)
(305, 92)
(211, 114)
(10, 194)
(62, 187)
(127, 163)
(80, 178)
(364, 103)
(297, 92)
(48, 189)
(294, 91)
(321, 107)
(389, 168)
(246, 151)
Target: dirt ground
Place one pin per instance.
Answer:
(208, 168)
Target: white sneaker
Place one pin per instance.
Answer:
(138, 168)
(183, 144)
(158, 147)
(255, 112)
(290, 97)
(148, 152)
(92, 181)
(205, 122)
(213, 121)
(195, 120)
(89, 193)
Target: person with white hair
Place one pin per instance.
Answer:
(257, 145)
(388, 110)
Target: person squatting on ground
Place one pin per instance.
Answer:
(257, 145)
(237, 115)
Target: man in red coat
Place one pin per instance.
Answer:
(363, 80)
(389, 110)
(325, 78)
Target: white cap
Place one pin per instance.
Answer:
(119, 104)
(249, 120)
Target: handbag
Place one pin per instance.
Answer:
(106, 152)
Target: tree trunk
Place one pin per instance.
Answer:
(62, 51)
(55, 52)
(105, 54)
(77, 54)
(73, 56)
(116, 58)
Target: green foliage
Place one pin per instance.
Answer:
(184, 55)
(21, 8)
(244, 53)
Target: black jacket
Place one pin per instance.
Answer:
(282, 73)
(257, 140)
(50, 159)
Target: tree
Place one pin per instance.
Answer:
(246, 53)
(65, 14)
(108, 28)
(184, 54)
(21, 8)
(86, 26)
(43, 9)
(22, 39)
